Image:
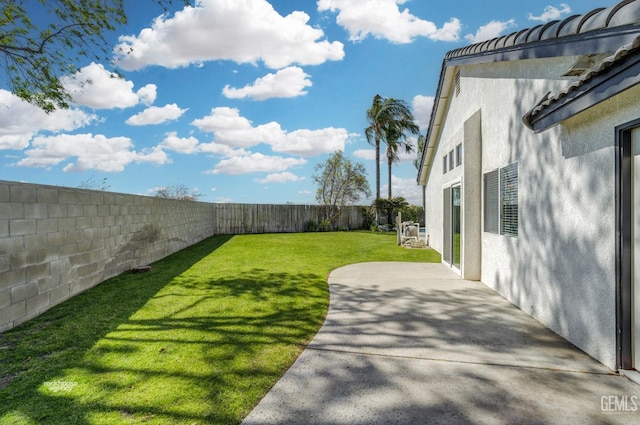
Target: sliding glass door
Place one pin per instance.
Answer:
(452, 221)
(456, 203)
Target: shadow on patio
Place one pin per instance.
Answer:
(421, 345)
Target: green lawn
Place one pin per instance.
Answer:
(198, 340)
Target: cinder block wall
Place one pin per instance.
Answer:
(56, 242)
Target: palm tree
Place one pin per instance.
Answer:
(387, 117)
(421, 142)
(396, 140)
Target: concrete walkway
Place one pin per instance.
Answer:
(412, 343)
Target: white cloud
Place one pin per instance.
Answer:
(147, 94)
(20, 121)
(384, 19)
(491, 30)
(422, 106)
(97, 88)
(311, 142)
(407, 188)
(551, 13)
(280, 178)
(91, 152)
(220, 149)
(235, 131)
(153, 155)
(287, 82)
(402, 154)
(186, 145)
(254, 163)
(366, 154)
(245, 31)
(157, 115)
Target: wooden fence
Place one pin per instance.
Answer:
(235, 219)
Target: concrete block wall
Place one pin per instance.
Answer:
(56, 242)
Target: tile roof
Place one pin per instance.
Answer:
(603, 29)
(626, 12)
(600, 68)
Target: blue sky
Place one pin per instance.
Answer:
(240, 99)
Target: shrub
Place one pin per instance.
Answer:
(313, 226)
(368, 217)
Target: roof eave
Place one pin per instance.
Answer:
(594, 42)
(443, 96)
(603, 86)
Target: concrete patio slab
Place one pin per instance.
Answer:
(413, 343)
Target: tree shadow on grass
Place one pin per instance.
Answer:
(35, 355)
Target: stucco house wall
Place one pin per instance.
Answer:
(561, 266)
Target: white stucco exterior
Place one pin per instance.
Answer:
(561, 266)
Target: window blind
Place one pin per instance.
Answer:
(491, 202)
(509, 200)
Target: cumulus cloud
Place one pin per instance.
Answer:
(407, 188)
(97, 88)
(366, 154)
(254, 163)
(551, 13)
(384, 19)
(147, 94)
(491, 30)
(287, 82)
(280, 178)
(422, 106)
(235, 131)
(311, 142)
(155, 155)
(156, 115)
(91, 152)
(221, 150)
(186, 145)
(20, 121)
(246, 31)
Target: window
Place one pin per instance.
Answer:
(509, 200)
(459, 155)
(491, 202)
(501, 201)
(452, 161)
(444, 165)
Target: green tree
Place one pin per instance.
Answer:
(35, 53)
(396, 140)
(387, 117)
(391, 206)
(340, 182)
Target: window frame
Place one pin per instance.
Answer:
(501, 208)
